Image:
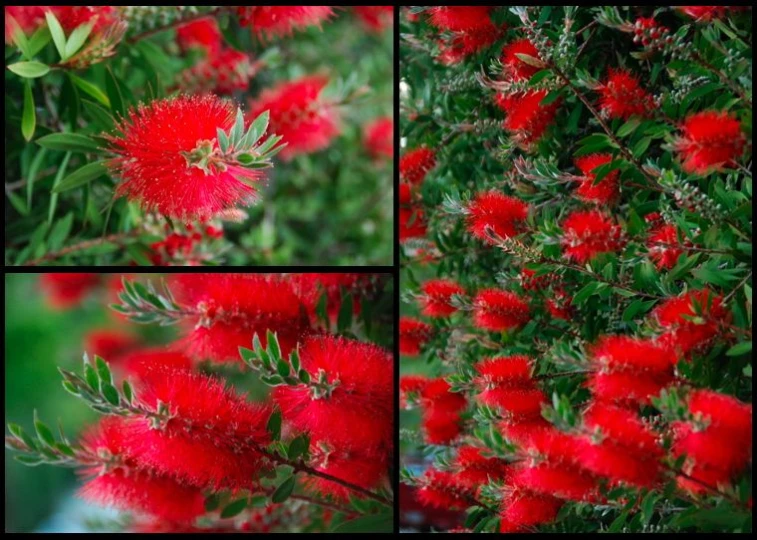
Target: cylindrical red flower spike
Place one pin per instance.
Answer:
(375, 18)
(516, 69)
(555, 480)
(526, 118)
(153, 148)
(441, 412)
(442, 489)
(498, 310)
(70, 17)
(504, 215)
(559, 305)
(522, 509)
(270, 21)
(378, 137)
(621, 96)
(516, 402)
(139, 363)
(111, 345)
(130, 488)
(229, 309)
(664, 246)
(225, 72)
(66, 290)
(710, 141)
(474, 470)
(604, 192)
(415, 164)
(437, 296)
(507, 371)
(412, 223)
(587, 234)
(688, 328)
(357, 411)
(307, 122)
(413, 335)
(460, 18)
(201, 33)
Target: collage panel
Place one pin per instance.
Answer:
(199, 135)
(199, 402)
(575, 329)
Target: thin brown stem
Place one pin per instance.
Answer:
(115, 238)
(737, 287)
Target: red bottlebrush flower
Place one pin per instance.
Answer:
(520, 431)
(664, 246)
(604, 192)
(71, 17)
(518, 402)
(109, 344)
(516, 69)
(705, 13)
(298, 113)
(437, 295)
(522, 510)
(709, 141)
(531, 282)
(498, 310)
(270, 21)
(405, 193)
(688, 329)
(463, 44)
(527, 118)
(358, 411)
(722, 411)
(231, 308)
(133, 489)
(413, 335)
(141, 362)
(210, 439)
(151, 148)
(201, 33)
(474, 469)
(623, 427)
(413, 384)
(378, 138)
(412, 223)
(626, 387)
(66, 290)
(559, 306)
(441, 411)
(629, 354)
(619, 465)
(223, 72)
(361, 468)
(547, 443)
(587, 234)
(460, 18)
(375, 18)
(505, 371)
(555, 480)
(309, 287)
(621, 96)
(441, 489)
(415, 164)
(503, 214)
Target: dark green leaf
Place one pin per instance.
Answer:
(273, 346)
(298, 447)
(344, 319)
(103, 370)
(89, 88)
(110, 393)
(234, 508)
(114, 94)
(73, 142)
(29, 117)
(82, 176)
(43, 432)
(377, 523)
(127, 391)
(284, 490)
(274, 425)
(739, 349)
(60, 232)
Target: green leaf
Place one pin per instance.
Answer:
(641, 147)
(98, 114)
(127, 391)
(19, 433)
(245, 159)
(257, 129)
(344, 319)
(256, 344)
(530, 60)
(294, 359)
(39, 39)
(234, 508)
(282, 367)
(73, 142)
(89, 88)
(247, 355)
(29, 70)
(65, 449)
(19, 38)
(29, 460)
(110, 393)
(375, 523)
(238, 130)
(59, 37)
(304, 376)
(90, 376)
(273, 346)
(28, 117)
(43, 432)
(77, 39)
(298, 447)
(82, 176)
(274, 425)
(56, 183)
(60, 232)
(284, 490)
(223, 140)
(553, 96)
(212, 502)
(585, 292)
(114, 93)
(739, 349)
(31, 176)
(629, 127)
(539, 76)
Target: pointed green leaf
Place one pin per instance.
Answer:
(223, 140)
(73, 142)
(298, 447)
(32, 174)
(273, 346)
(39, 39)
(89, 88)
(110, 393)
(274, 425)
(247, 355)
(304, 376)
(29, 70)
(77, 39)
(284, 490)
(19, 38)
(82, 176)
(128, 392)
(29, 460)
(43, 432)
(344, 319)
(91, 377)
(59, 37)
(60, 232)
(56, 183)
(257, 130)
(234, 508)
(739, 349)
(29, 117)
(294, 359)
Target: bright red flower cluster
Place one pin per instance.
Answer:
(202, 33)
(413, 335)
(437, 295)
(375, 18)
(151, 146)
(378, 137)
(604, 192)
(691, 321)
(710, 141)
(460, 18)
(497, 310)
(504, 215)
(416, 163)
(442, 409)
(300, 114)
(506, 383)
(460, 45)
(224, 72)
(443, 489)
(526, 117)
(621, 96)
(664, 246)
(272, 21)
(31, 18)
(66, 290)
(515, 69)
(587, 234)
